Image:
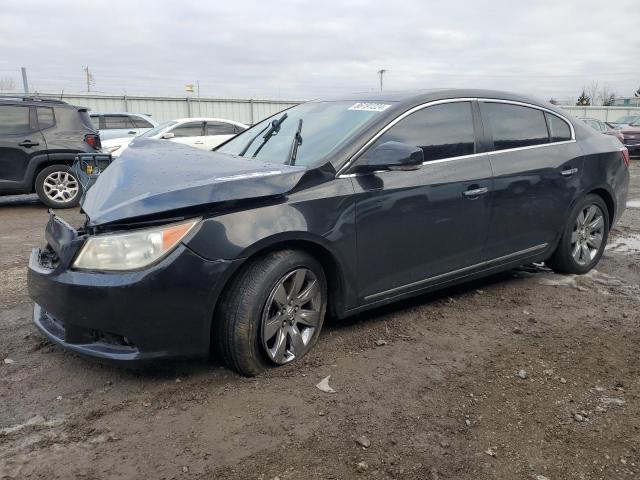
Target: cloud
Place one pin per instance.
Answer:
(297, 49)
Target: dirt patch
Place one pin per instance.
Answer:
(524, 375)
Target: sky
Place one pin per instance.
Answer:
(300, 50)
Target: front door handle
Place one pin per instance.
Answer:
(199, 143)
(28, 144)
(568, 172)
(132, 132)
(475, 192)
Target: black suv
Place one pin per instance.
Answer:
(39, 139)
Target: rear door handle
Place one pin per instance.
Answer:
(199, 143)
(28, 144)
(475, 192)
(131, 132)
(568, 172)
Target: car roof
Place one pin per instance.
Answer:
(144, 115)
(427, 95)
(207, 119)
(37, 101)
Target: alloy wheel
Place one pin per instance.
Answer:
(587, 235)
(291, 316)
(60, 186)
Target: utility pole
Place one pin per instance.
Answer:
(89, 78)
(381, 73)
(25, 83)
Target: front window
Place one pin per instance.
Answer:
(193, 129)
(325, 125)
(441, 131)
(159, 130)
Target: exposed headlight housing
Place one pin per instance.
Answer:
(131, 250)
(112, 149)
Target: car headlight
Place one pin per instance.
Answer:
(131, 250)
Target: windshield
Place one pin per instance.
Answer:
(159, 129)
(627, 119)
(325, 126)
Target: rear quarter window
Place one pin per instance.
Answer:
(515, 126)
(46, 117)
(559, 130)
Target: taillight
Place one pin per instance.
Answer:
(93, 140)
(625, 155)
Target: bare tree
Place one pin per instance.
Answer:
(606, 96)
(592, 91)
(7, 83)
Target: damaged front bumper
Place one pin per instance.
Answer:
(159, 312)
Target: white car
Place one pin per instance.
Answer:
(203, 133)
(116, 125)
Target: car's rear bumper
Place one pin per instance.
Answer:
(633, 145)
(161, 312)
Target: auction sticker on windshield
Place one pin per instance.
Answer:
(369, 107)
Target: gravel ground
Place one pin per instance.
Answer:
(525, 375)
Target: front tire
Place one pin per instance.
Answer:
(584, 238)
(272, 312)
(58, 187)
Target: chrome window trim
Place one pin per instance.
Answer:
(355, 156)
(441, 276)
(529, 147)
(384, 129)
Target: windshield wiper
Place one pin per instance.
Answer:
(297, 141)
(273, 129)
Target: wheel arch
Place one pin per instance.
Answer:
(608, 198)
(303, 241)
(48, 162)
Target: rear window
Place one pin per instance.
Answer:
(46, 118)
(14, 120)
(515, 126)
(559, 130)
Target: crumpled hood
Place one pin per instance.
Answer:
(155, 176)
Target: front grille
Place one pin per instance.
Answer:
(74, 334)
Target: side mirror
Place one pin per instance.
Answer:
(393, 156)
(168, 135)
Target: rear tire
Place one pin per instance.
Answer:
(272, 312)
(58, 187)
(584, 237)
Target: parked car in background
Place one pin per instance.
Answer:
(624, 121)
(39, 139)
(203, 133)
(116, 125)
(602, 127)
(631, 138)
(328, 207)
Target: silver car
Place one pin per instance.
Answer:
(117, 125)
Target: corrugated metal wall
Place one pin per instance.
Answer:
(247, 111)
(605, 114)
